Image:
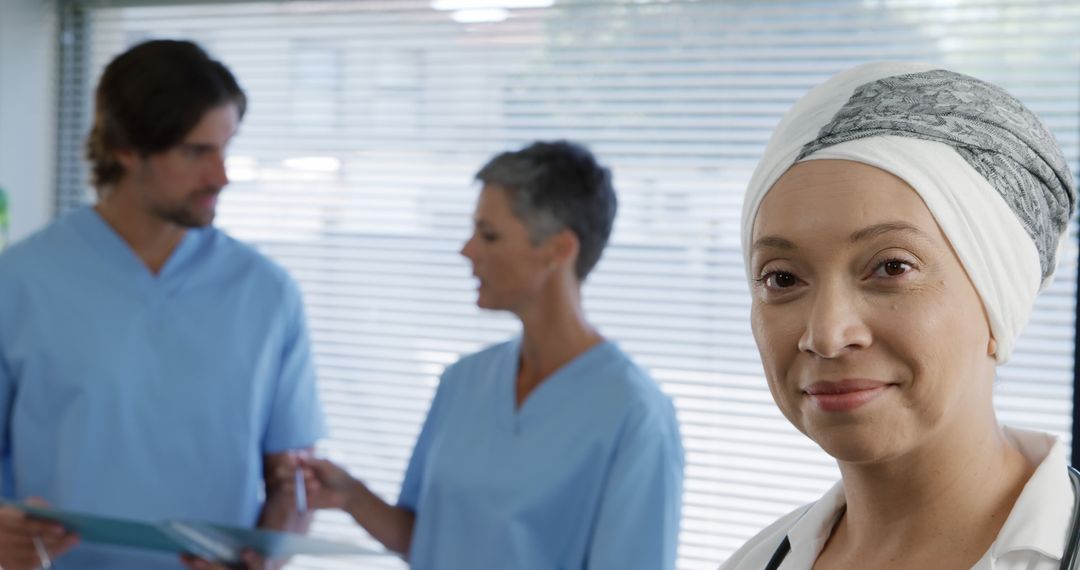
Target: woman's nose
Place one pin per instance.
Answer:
(467, 248)
(836, 324)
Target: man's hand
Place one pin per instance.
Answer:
(251, 561)
(17, 533)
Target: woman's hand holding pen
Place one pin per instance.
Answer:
(328, 485)
(285, 481)
(27, 544)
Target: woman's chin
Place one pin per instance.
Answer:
(485, 302)
(866, 444)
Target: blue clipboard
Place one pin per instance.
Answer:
(220, 543)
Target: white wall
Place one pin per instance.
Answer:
(28, 59)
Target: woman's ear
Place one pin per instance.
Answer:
(565, 246)
(991, 347)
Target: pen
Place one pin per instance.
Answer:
(42, 553)
(301, 493)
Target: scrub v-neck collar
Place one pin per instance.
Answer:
(104, 239)
(545, 398)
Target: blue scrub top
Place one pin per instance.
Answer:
(586, 474)
(150, 397)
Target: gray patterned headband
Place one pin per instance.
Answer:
(1003, 199)
(995, 133)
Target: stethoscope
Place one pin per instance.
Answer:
(1069, 560)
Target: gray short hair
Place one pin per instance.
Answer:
(557, 185)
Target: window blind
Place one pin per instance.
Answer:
(368, 118)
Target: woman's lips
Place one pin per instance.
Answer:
(844, 395)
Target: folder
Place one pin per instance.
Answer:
(215, 542)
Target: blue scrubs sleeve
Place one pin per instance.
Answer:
(638, 522)
(296, 417)
(409, 497)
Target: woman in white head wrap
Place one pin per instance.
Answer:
(896, 233)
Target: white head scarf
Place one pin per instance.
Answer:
(988, 170)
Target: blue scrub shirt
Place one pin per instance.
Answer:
(149, 397)
(586, 474)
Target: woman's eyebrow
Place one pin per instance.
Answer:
(866, 233)
(884, 228)
(773, 242)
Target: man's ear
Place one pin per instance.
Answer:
(127, 158)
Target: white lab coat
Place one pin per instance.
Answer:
(1032, 538)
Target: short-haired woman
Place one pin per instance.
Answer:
(551, 450)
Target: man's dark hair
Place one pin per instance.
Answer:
(557, 185)
(150, 97)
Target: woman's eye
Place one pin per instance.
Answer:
(779, 280)
(784, 280)
(893, 268)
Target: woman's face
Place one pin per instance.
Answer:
(510, 269)
(873, 338)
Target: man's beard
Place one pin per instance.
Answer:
(187, 215)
